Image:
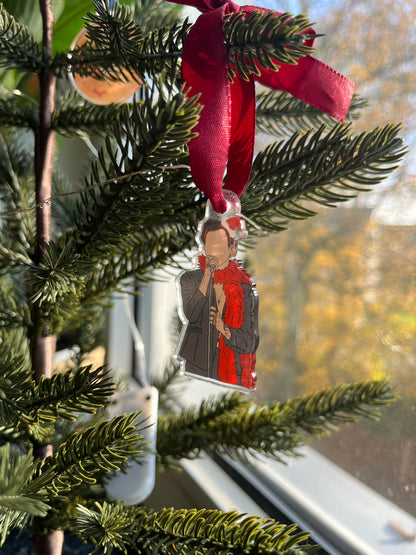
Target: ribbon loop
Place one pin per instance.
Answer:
(226, 127)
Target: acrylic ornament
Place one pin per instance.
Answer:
(218, 304)
(102, 91)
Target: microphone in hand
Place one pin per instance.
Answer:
(212, 264)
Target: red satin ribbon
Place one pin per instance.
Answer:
(226, 126)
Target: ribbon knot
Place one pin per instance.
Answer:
(226, 127)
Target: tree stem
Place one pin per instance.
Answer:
(44, 136)
(43, 344)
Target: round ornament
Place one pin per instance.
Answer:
(102, 91)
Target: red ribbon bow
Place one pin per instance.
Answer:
(227, 122)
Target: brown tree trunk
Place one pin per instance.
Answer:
(43, 344)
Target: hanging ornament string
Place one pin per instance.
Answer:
(226, 126)
(49, 200)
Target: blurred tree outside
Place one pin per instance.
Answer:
(338, 293)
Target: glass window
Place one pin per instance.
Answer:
(338, 294)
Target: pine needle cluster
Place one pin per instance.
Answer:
(135, 211)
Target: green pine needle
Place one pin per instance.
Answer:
(237, 427)
(18, 503)
(280, 115)
(15, 111)
(65, 394)
(18, 48)
(263, 40)
(76, 116)
(98, 449)
(321, 167)
(188, 531)
(153, 136)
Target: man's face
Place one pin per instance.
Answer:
(216, 245)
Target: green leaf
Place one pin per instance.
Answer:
(69, 23)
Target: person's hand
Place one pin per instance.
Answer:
(216, 320)
(211, 264)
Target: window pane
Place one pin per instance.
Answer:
(338, 305)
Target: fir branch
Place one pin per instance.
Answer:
(54, 276)
(97, 449)
(18, 503)
(9, 433)
(144, 252)
(323, 412)
(156, 14)
(111, 26)
(153, 136)
(15, 385)
(198, 428)
(118, 49)
(161, 49)
(18, 48)
(267, 430)
(109, 526)
(18, 349)
(29, 410)
(280, 114)
(14, 311)
(76, 116)
(263, 40)
(167, 388)
(192, 531)
(15, 111)
(16, 185)
(11, 261)
(318, 167)
(65, 394)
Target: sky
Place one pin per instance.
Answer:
(292, 6)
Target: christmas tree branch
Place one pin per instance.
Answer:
(76, 116)
(263, 40)
(153, 135)
(16, 239)
(98, 449)
(191, 531)
(322, 167)
(15, 111)
(281, 114)
(118, 47)
(236, 427)
(85, 390)
(18, 48)
(18, 503)
(37, 407)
